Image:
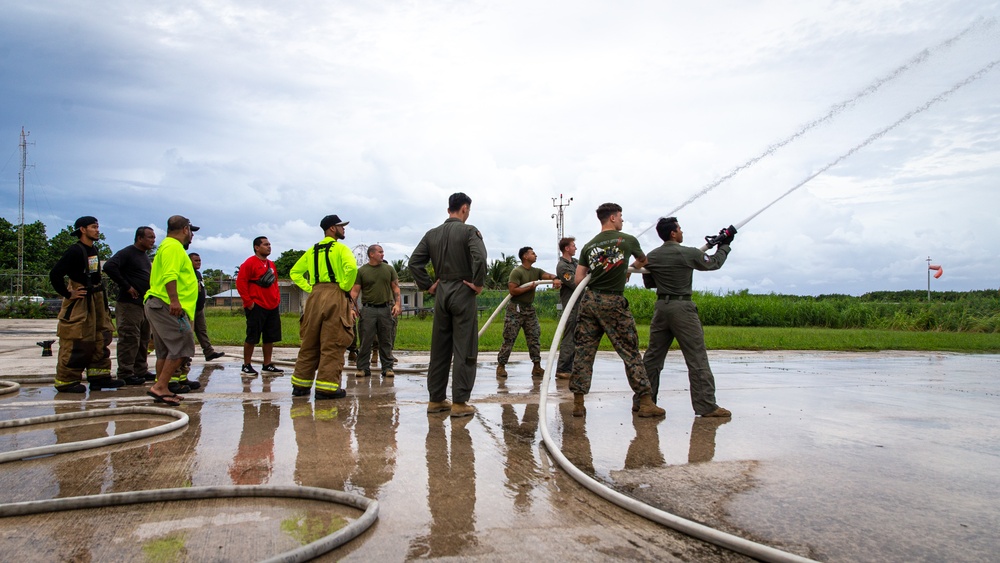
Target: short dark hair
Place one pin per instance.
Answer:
(457, 200)
(665, 226)
(141, 232)
(257, 241)
(193, 254)
(524, 250)
(564, 242)
(371, 249)
(606, 210)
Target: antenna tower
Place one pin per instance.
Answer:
(19, 282)
(558, 216)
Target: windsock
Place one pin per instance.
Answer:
(939, 269)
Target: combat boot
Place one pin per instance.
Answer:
(537, 371)
(375, 357)
(648, 409)
(501, 370)
(578, 408)
(459, 410)
(442, 406)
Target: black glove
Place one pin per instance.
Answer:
(725, 236)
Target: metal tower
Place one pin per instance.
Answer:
(558, 216)
(19, 282)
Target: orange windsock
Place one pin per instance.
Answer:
(939, 269)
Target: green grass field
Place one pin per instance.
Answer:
(415, 334)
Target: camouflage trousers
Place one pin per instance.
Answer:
(608, 314)
(520, 316)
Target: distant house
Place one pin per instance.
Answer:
(292, 299)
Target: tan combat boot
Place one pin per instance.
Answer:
(501, 370)
(578, 408)
(648, 409)
(375, 356)
(462, 409)
(563, 375)
(444, 405)
(537, 371)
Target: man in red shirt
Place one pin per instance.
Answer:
(257, 283)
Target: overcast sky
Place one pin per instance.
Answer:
(259, 118)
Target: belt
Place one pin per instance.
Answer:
(663, 297)
(600, 292)
(374, 306)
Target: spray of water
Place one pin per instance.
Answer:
(879, 134)
(916, 60)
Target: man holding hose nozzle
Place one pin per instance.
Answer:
(670, 270)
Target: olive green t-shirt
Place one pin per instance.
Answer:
(376, 283)
(607, 258)
(520, 276)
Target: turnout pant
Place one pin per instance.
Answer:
(679, 319)
(454, 342)
(326, 330)
(84, 332)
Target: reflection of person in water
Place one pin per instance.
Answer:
(703, 438)
(325, 458)
(521, 468)
(254, 459)
(575, 444)
(376, 422)
(451, 487)
(644, 451)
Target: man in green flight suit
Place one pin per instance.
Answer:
(670, 270)
(520, 313)
(458, 254)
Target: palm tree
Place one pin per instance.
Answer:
(498, 272)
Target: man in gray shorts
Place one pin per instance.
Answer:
(170, 307)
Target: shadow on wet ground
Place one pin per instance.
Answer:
(838, 457)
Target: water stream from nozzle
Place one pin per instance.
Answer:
(836, 109)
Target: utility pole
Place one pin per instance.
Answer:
(558, 216)
(19, 284)
(928, 279)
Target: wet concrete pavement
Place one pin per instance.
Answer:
(837, 457)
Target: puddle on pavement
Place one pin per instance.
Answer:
(823, 449)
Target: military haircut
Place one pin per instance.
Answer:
(524, 250)
(457, 200)
(258, 240)
(371, 250)
(606, 210)
(665, 226)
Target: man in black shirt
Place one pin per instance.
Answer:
(129, 268)
(84, 327)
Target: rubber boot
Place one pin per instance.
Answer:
(537, 371)
(578, 408)
(648, 409)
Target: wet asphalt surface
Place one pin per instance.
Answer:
(837, 457)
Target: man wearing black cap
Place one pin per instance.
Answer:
(326, 272)
(170, 307)
(84, 327)
(457, 251)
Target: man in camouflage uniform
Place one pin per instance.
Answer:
(604, 310)
(670, 270)
(459, 256)
(566, 272)
(521, 313)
